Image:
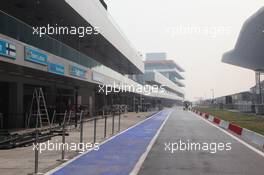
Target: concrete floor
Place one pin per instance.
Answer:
(21, 160)
(181, 125)
(184, 125)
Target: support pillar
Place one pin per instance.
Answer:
(76, 106)
(15, 116)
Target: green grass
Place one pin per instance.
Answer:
(249, 121)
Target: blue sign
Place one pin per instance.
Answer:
(7, 49)
(77, 71)
(35, 56)
(56, 68)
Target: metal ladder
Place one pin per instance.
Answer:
(38, 109)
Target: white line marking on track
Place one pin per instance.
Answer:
(107, 140)
(143, 157)
(234, 137)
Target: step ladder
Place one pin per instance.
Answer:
(38, 110)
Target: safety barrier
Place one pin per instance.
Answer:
(216, 120)
(246, 134)
(236, 129)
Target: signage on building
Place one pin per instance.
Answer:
(77, 71)
(56, 68)
(35, 56)
(7, 49)
(98, 77)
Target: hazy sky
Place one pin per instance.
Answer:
(194, 33)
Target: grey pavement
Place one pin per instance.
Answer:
(184, 126)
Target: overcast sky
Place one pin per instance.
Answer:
(194, 33)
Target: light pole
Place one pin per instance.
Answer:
(212, 95)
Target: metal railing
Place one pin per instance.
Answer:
(66, 125)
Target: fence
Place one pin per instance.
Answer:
(66, 125)
(61, 125)
(245, 108)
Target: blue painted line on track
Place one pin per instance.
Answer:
(119, 155)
